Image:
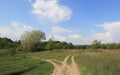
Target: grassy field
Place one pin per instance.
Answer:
(7, 52)
(99, 63)
(22, 65)
(57, 54)
(105, 62)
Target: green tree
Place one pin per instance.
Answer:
(6, 43)
(50, 44)
(71, 45)
(96, 44)
(31, 40)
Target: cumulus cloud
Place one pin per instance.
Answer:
(52, 10)
(59, 38)
(58, 33)
(14, 30)
(111, 33)
(57, 30)
(79, 39)
(74, 36)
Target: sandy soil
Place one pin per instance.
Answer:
(64, 68)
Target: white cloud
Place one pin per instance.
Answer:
(14, 30)
(52, 10)
(79, 39)
(59, 38)
(74, 36)
(57, 29)
(111, 33)
(59, 32)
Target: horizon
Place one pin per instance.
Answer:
(79, 22)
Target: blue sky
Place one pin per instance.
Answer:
(79, 22)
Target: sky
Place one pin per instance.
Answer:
(76, 21)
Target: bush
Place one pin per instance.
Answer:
(96, 45)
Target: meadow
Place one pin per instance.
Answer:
(105, 62)
(99, 63)
(20, 64)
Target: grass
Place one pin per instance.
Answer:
(105, 62)
(19, 64)
(99, 63)
(22, 65)
(43, 68)
(7, 52)
(57, 54)
(69, 60)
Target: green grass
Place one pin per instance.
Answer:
(20, 64)
(99, 63)
(105, 62)
(43, 68)
(7, 52)
(69, 60)
(57, 54)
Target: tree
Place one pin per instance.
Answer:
(31, 40)
(6, 43)
(71, 45)
(96, 44)
(50, 44)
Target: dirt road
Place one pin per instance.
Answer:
(63, 68)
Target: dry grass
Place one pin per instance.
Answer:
(106, 62)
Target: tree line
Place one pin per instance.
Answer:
(98, 45)
(6, 43)
(32, 41)
(35, 41)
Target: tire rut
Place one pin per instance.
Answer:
(64, 68)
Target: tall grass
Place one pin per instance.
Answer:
(99, 63)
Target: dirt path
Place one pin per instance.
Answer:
(64, 68)
(73, 67)
(56, 67)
